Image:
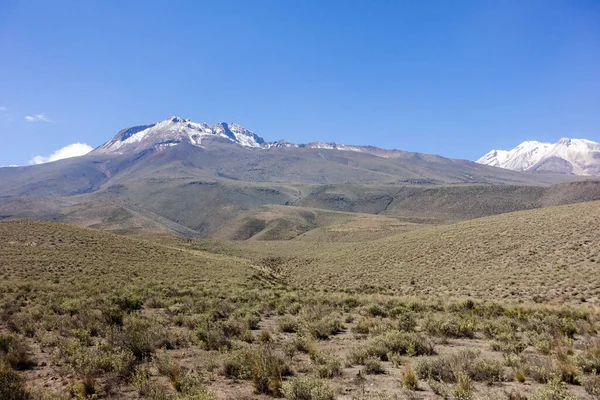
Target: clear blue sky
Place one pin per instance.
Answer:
(455, 78)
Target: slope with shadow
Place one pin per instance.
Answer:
(551, 254)
(271, 222)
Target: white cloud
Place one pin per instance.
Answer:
(37, 118)
(72, 150)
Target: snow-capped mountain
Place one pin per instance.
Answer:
(175, 130)
(568, 156)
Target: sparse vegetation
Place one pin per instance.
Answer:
(185, 321)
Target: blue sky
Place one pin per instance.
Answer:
(455, 78)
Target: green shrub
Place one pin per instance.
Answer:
(308, 388)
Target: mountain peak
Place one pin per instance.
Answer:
(571, 156)
(174, 131)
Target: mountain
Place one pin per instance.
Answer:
(567, 156)
(195, 179)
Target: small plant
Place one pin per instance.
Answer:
(169, 368)
(373, 366)
(326, 365)
(288, 324)
(464, 388)
(449, 326)
(409, 378)
(308, 388)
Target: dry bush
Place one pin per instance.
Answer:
(12, 385)
(326, 365)
(449, 326)
(16, 352)
(392, 342)
(288, 324)
(449, 368)
(308, 388)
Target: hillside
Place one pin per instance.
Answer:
(551, 254)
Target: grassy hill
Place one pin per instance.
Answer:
(549, 254)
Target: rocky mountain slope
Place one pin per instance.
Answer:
(192, 178)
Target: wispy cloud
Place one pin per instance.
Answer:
(37, 118)
(3, 108)
(72, 150)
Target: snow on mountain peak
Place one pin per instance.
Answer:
(175, 130)
(573, 156)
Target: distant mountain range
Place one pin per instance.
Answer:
(196, 179)
(567, 156)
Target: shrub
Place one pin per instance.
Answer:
(12, 386)
(373, 366)
(449, 368)
(407, 321)
(464, 388)
(376, 310)
(554, 391)
(449, 326)
(218, 335)
(409, 378)
(168, 367)
(304, 344)
(326, 365)
(140, 336)
(589, 358)
(259, 364)
(16, 352)
(323, 328)
(128, 303)
(267, 370)
(288, 324)
(308, 388)
(392, 342)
